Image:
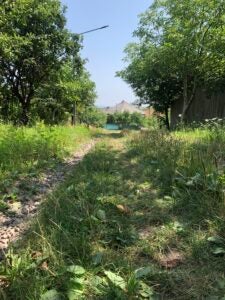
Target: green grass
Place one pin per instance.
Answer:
(108, 230)
(26, 152)
(21, 148)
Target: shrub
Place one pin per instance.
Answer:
(127, 120)
(94, 117)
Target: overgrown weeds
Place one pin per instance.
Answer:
(140, 221)
(26, 152)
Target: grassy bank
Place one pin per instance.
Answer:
(25, 152)
(142, 217)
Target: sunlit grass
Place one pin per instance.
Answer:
(26, 152)
(133, 203)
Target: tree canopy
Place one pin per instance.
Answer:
(181, 48)
(38, 54)
(54, 101)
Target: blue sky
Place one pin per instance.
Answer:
(104, 49)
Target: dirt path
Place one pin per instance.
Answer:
(15, 221)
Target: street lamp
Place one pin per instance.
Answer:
(74, 104)
(99, 28)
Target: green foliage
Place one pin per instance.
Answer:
(127, 120)
(26, 152)
(54, 101)
(116, 280)
(82, 230)
(34, 44)
(107, 232)
(180, 50)
(148, 80)
(94, 117)
(51, 295)
(3, 206)
(23, 147)
(218, 245)
(73, 288)
(152, 122)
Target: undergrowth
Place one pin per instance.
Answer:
(140, 221)
(26, 152)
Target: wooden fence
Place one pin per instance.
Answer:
(204, 106)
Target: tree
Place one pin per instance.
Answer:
(186, 35)
(54, 101)
(180, 50)
(94, 117)
(126, 120)
(145, 73)
(33, 45)
(136, 120)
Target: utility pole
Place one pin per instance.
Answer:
(74, 104)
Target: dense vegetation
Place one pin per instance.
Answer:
(42, 75)
(93, 116)
(141, 217)
(25, 153)
(179, 51)
(126, 120)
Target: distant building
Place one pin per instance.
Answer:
(122, 107)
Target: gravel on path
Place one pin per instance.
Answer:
(15, 222)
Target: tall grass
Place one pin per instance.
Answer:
(28, 151)
(24, 147)
(186, 165)
(106, 232)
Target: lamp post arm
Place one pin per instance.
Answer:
(103, 27)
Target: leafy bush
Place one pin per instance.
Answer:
(94, 117)
(152, 122)
(127, 120)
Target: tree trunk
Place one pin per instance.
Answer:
(24, 119)
(167, 121)
(5, 108)
(74, 114)
(187, 100)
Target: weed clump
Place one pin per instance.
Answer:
(190, 169)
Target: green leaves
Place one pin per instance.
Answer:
(76, 283)
(76, 270)
(218, 243)
(97, 258)
(215, 240)
(32, 54)
(116, 280)
(218, 251)
(142, 272)
(134, 285)
(179, 49)
(146, 291)
(93, 116)
(74, 286)
(101, 215)
(51, 295)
